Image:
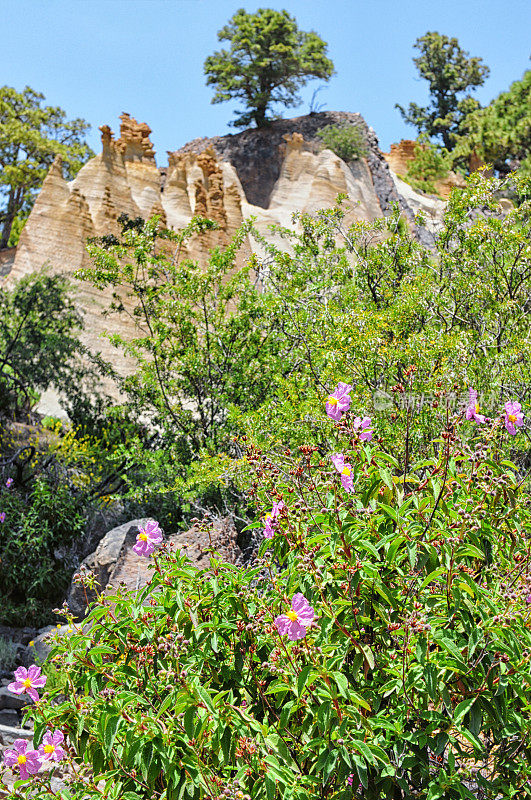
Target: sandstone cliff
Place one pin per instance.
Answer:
(267, 174)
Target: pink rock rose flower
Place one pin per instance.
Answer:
(50, 748)
(472, 411)
(364, 428)
(271, 518)
(27, 681)
(9, 482)
(297, 620)
(345, 470)
(339, 401)
(513, 416)
(147, 538)
(3, 516)
(27, 762)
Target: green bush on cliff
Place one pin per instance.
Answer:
(430, 164)
(346, 141)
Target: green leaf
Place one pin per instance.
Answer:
(390, 512)
(146, 757)
(393, 548)
(303, 678)
(342, 683)
(189, 720)
(463, 708)
(451, 648)
(367, 652)
(431, 577)
(111, 729)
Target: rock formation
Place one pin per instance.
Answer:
(402, 154)
(268, 174)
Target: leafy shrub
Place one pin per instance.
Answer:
(412, 680)
(346, 141)
(431, 164)
(362, 301)
(39, 344)
(39, 523)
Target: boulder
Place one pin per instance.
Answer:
(101, 563)
(13, 702)
(115, 563)
(39, 650)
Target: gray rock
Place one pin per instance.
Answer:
(115, 563)
(13, 702)
(22, 635)
(44, 642)
(101, 563)
(256, 154)
(9, 734)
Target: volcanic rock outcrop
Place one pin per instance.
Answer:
(267, 174)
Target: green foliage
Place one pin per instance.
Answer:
(500, 134)
(16, 229)
(346, 141)
(42, 519)
(269, 60)
(450, 73)
(31, 135)
(202, 336)
(244, 349)
(431, 164)
(39, 345)
(413, 680)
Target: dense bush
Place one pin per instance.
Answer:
(378, 645)
(246, 349)
(38, 523)
(346, 141)
(405, 674)
(40, 346)
(431, 164)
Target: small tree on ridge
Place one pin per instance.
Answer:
(269, 60)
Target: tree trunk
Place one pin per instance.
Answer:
(259, 116)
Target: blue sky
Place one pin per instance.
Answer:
(97, 58)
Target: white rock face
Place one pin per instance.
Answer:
(431, 208)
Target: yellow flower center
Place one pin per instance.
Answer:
(268, 516)
(333, 400)
(292, 615)
(346, 471)
(512, 417)
(143, 537)
(22, 759)
(49, 748)
(477, 409)
(27, 683)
